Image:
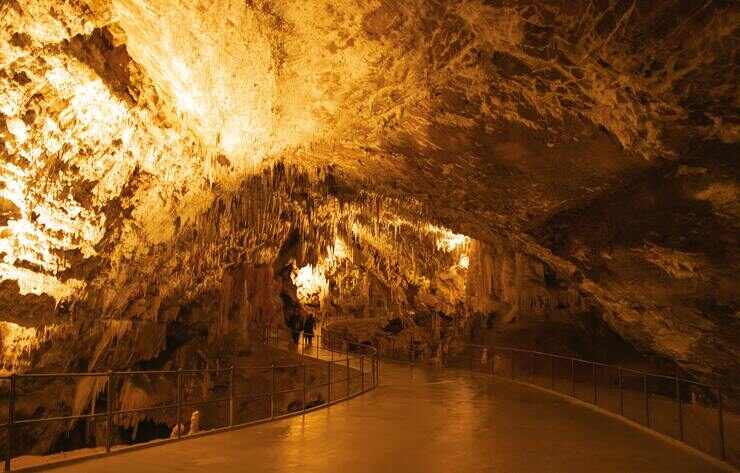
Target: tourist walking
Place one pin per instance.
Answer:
(308, 328)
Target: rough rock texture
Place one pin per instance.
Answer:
(587, 147)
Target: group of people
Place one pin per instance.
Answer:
(295, 315)
(297, 322)
(306, 326)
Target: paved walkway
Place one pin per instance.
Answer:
(427, 421)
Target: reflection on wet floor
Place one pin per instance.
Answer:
(427, 421)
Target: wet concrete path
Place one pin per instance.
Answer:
(421, 420)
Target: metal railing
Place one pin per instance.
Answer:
(402, 351)
(350, 369)
(691, 412)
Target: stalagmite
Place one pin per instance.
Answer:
(194, 423)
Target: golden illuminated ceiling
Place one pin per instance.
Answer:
(123, 121)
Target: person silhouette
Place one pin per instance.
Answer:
(308, 328)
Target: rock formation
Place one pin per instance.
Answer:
(161, 162)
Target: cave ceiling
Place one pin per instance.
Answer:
(600, 135)
(496, 114)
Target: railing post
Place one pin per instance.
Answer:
(721, 422)
(533, 357)
(231, 396)
(472, 358)
(328, 392)
(304, 387)
(109, 411)
(179, 403)
(362, 370)
(493, 361)
(411, 350)
(513, 364)
(647, 399)
(373, 371)
(348, 374)
(376, 369)
(621, 392)
(272, 392)
(679, 407)
(11, 420)
(572, 377)
(593, 377)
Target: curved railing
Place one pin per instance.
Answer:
(691, 412)
(688, 411)
(331, 370)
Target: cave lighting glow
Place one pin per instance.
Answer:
(464, 261)
(310, 281)
(339, 251)
(15, 340)
(448, 240)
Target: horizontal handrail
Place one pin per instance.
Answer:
(103, 374)
(597, 363)
(678, 387)
(575, 359)
(676, 382)
(272, 335)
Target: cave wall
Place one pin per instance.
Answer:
(660, 256)
(516, 286)
(138, 169)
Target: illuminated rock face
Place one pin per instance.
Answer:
(586, 149)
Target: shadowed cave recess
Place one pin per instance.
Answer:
(559, 176)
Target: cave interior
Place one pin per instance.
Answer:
(557, 176)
